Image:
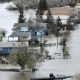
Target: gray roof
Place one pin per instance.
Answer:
(20, 34)
(23, 25)
(12, 44)
(20, 24)
(40, 26)
(17, 26)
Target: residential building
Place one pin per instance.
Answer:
(63, 12)
(21, 31)
(38, 31)
(5, 47)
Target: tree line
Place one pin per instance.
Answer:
(5, 0)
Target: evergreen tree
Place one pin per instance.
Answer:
(72, 3)
(42, 7)
(4, 0)
(50, 22)
(21, 16)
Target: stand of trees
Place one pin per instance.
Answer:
(5, 0)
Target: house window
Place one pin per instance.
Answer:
(39, 33)
(24, 29)
(1, 49)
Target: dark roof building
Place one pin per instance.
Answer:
(21, 30)
(20, 34)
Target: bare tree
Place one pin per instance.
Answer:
(22, 57)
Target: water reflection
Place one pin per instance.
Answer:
(6, 75)
(15, 75)
(20, 76)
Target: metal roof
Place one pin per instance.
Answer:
(17, 26)
(12, 44)
(60, 11)
(20, 34)
(40, 26)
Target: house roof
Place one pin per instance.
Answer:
(12, 44)
(60, 11)
(17, 26)
(41, 26)
(38, 26)
(20, 24)
(20, 34)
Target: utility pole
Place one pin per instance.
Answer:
(58, 28)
